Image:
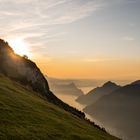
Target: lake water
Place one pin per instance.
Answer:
(69, 99)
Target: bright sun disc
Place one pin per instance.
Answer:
(19, 46)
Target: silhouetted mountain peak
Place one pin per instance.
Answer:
(109, 84)
(72, 84)
(119, 110)
(96, 93)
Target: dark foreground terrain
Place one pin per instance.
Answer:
(26, 115)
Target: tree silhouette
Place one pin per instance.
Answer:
(25, 56)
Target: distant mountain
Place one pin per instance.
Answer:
(26, 72)
(80, 83)
(66, 89)
(97, 93)
(119, 111)
(136, 82)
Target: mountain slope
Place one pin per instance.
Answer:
(27, 73)
(119, 111)
(24, 114)
(97, 93)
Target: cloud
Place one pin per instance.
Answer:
(94, 60)
(48, 12)
(28, 17)
(32, 19)
(131, 24)
(128, 38)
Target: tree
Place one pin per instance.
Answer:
(25, 56)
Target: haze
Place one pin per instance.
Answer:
(77, 39)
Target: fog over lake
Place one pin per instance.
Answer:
(71, 100)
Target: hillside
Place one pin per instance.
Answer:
(28, 74)
(95, 94)
(119, 111)
(24, 114)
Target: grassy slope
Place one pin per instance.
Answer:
(24, 115)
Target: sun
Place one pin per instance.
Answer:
(19, 46)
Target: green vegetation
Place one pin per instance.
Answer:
(27, 73)
(25, 115)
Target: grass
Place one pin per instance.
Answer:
(24, 115)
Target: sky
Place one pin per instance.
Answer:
(97, 39)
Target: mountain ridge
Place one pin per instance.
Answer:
(119, 110)
(136, 82)
(96, 93)
(65, 89)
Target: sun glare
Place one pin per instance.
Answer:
(19, 46)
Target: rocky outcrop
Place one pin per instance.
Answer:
(21, 69)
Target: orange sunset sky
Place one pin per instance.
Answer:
(76, 39)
